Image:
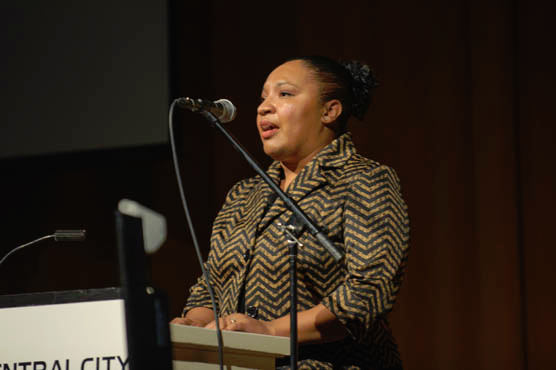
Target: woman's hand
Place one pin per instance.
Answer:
(198, 316)
(187, 321)
(315, 325)
(241, 322)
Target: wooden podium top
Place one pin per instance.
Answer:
(197, 348)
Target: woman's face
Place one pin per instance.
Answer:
(289, 116)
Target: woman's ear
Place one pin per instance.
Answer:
(331, 111)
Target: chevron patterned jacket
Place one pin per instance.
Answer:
(358, 203)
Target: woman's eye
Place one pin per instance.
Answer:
(285, 93)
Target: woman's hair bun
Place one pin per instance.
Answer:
(362, 82)
(350, 82)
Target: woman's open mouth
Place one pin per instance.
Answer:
(268, 129)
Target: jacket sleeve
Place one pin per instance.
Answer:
(376, 237)
(198, 293)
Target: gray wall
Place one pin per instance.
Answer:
(82, 75)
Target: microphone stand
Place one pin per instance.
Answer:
(293, 243)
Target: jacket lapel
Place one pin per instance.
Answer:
(268, 199)
(312, 177)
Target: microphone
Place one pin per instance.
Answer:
(59, 236)
(222, 109)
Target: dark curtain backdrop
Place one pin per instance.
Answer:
(464, 113)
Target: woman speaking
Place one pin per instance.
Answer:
(342, 307)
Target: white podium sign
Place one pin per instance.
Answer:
(69, 336)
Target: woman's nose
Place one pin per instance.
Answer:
(265, 107)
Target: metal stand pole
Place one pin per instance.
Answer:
(292, 244)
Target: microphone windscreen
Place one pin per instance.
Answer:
(228, 110)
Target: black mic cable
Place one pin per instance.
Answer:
(192, 231)
(59, 236)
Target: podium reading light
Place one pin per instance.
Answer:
(140, 230)
(153, 223)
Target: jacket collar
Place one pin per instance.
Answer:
(334, 155)
(313, 176)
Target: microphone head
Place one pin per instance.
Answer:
(70, 235)
(228, 110)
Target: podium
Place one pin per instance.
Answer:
(85, 329)
(197, 348)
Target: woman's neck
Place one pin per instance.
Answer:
(293, 168)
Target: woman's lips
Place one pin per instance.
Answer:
(268, 129)
(269, 133)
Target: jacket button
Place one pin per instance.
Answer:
(252, 312)
(246, 255)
